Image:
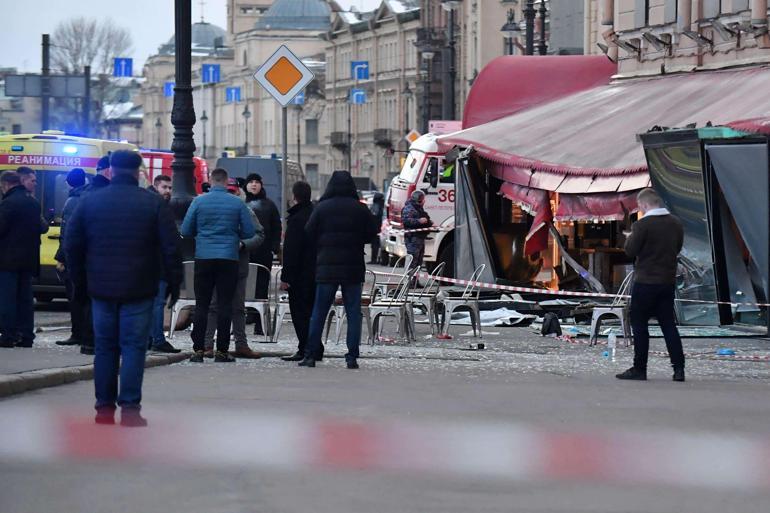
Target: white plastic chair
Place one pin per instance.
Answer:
(469, 300)
(186, 296)
(261, 305)
(619, 308)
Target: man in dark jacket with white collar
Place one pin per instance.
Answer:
(20, 230)
(298, 273)
(655, 243)
(339, 228)
(114, 241)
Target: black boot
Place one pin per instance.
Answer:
(69, 342)
(296, 357)
(633, 374)
(307, 362)
(678, 374)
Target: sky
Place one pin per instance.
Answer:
(151, 23)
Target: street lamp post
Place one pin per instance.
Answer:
(204, 119)
(529, 20)
(246, 116)
(427, 57)
(510, 30)
(542, 48)
(158, 124)
(407, 93)
(448, 105)
(183, 112)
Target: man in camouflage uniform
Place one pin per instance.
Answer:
(414, 217)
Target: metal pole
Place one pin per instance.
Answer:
(529, 18)
(510, 46)
(448, 110)
(285, 162)
(45, 84)
(426, 101)
(350, 137)
(542, 47)
(183, 113)
(406, 129)
(246, 142)
(86, 128)
(299, 136)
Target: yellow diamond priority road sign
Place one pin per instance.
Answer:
(283, 75)
(412, 136)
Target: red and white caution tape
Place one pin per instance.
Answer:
(417, 230)
(569, 293)
(511, 452)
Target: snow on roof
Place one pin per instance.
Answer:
(121, 110)
(401, 6)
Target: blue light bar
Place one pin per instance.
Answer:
(17, 148)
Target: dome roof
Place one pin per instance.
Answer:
(204, 37)
(296, 15)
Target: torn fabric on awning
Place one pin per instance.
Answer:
(592, 134)
(605, 206)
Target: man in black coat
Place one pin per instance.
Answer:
(339, 227)
(298, 273)
(114, 241)
(20, 230)
(270, 219)
(80, 311)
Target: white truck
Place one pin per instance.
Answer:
(424, 170)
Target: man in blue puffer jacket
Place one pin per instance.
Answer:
(219, 222)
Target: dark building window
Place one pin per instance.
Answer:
(311, 131)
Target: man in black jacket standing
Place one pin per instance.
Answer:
(298, 273)
(655, 243)
(113, 244)
(80, 311)
(20, 230)
(339, 227)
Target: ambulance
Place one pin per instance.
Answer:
(52, 155)
(424, 169)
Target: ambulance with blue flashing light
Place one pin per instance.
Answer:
(52, 154)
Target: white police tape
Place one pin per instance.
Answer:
(506, 451)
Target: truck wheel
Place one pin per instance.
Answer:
(447, 255)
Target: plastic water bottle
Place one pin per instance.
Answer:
(612, 342)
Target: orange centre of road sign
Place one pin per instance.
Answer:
(283, 75)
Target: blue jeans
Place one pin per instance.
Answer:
(324, 297)
(157, 337)
(120, 334)
(17, 312)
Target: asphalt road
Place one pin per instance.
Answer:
(519, 380)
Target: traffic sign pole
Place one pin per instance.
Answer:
(285, 162)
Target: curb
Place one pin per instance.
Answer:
(33, 380)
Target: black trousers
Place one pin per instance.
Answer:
(654, 301)
(80, 316)
(301, 299)
(210, 275)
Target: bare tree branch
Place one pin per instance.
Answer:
(80, 42)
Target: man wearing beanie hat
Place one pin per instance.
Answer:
(80, 311)
(270, 219)
(113, 244)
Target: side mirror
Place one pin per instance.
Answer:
(433, 173)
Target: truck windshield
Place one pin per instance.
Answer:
(411, 169)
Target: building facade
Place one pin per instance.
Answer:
(652, 37)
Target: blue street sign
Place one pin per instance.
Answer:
(122, 67)
(357, 96)
(359, 70)
(210, 74)
(299, 99)
(168, 89)
(232, 94)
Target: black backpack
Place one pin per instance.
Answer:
(551, 325)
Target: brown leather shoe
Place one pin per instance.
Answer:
(246, 352)
(208, 353)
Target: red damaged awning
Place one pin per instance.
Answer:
(603, 206)
(513, 83)
(586, 142)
